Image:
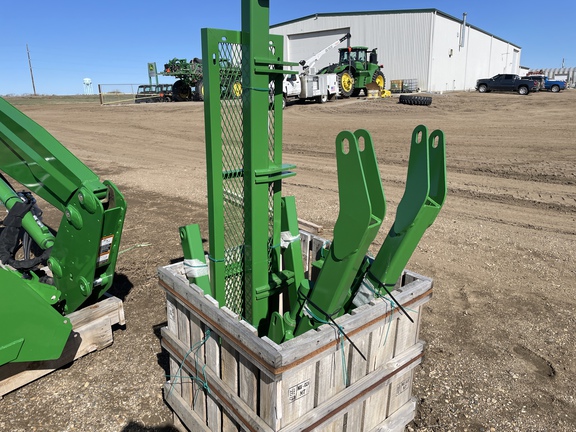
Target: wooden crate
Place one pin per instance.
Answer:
(226, 378)
(91, 331)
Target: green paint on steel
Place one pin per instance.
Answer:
(84, 249)
(249, 220)
(422, 200)
(244, 163)
(31, 328)
(362, 210)
(194, 258)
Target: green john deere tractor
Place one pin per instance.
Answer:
(356, 68)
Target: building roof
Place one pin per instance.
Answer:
(391, 12)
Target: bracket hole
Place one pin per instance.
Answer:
(361, 143)
(419, 137)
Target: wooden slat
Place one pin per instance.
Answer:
(229, 374)
(397, 422)
(295, 383)
(172, 320)
(92, 331)
(357, 369)
(235, 406)
(311, 227)
(183, 319)
(198, 394)
(181, 408)
(354, 394)
(331, 378)
(382, 343)
(213, 409)
(270, 401)
(305, 242)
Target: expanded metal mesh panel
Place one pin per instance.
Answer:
(233, 173)
(271, 155)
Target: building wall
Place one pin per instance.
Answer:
(419, 44)
(404, 36)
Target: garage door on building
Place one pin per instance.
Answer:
(302, 46)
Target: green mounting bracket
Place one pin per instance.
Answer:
(254, 252)
(425, 193)
(362, 210)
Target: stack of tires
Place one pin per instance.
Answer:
(415, 100)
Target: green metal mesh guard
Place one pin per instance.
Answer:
(231, 194)
(229, 71)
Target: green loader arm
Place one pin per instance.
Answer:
(82, 253)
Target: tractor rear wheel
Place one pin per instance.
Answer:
(346, 83)
(199, 92)
(379, 79)
(237, 89)
(181, 91)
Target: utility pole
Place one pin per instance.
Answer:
(31, 73)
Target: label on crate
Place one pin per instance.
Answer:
(403, 385)
(299, 390)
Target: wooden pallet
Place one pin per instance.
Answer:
(250, 383)
(91, 331)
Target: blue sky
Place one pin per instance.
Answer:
(112, 41)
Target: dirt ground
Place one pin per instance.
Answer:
(500, 328)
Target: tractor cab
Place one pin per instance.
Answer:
(357, 54)
(353, 54)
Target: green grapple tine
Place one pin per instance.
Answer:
(372, 175)
(423, 198)
(417, 180)
(358, 223)
(355, 209)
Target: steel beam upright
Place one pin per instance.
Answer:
(243, 120)
(262, 197)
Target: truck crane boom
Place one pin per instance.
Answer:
(308, 64)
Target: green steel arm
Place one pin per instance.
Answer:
(34, 158)
(85, 249)
(422, 200)
(362, 209)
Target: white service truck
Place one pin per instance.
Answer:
(320, 88)
(311, 86)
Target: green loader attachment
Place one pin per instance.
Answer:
(254, 262)
(46, 273)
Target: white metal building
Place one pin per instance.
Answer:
(442, 52)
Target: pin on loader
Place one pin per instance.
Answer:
(255, 263)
